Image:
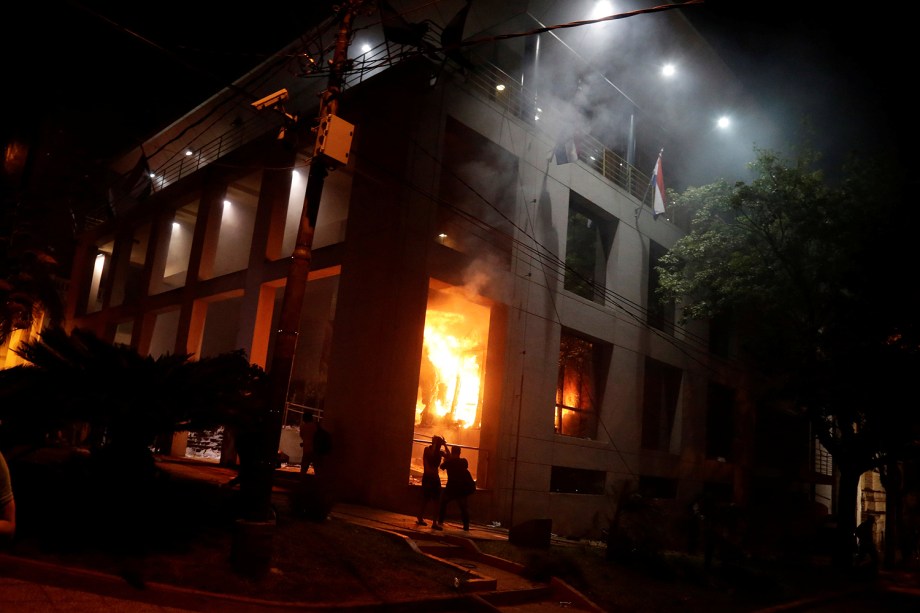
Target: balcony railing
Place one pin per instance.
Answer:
(517, 101)
(194, 160)
(481, 80)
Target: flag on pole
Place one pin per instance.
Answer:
(658, 183)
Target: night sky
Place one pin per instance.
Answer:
(835, 64)
(80, 63)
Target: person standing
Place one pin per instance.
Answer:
(432, 456)
(7, 503)
(460, 485)
(865, 541)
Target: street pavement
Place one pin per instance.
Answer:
(28, 586)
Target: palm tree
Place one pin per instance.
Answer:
(126, 399)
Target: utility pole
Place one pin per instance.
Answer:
(258, 516)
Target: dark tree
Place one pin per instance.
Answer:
(818, 277)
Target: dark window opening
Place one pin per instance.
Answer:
(565, 480)
(477, 195)
(589, 240)
(657, 487)
(659, 404)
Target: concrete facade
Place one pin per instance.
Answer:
(431, 155)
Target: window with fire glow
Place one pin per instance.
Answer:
(451, 376)
(577, 388)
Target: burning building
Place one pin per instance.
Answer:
(465, 281)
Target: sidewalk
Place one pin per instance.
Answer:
(29, 585)
(489, 584)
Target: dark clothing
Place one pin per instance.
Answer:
(459, 480)
(431, 487)
(431, 479)
(460, 485)
(865, 541)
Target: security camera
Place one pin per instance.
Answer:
(271, 100)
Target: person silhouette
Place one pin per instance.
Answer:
(432, 457)
(460, 485)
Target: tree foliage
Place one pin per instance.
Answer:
(815, 274)
(126, 399)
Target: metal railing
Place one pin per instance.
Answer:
(294, 413)
(517, 101)
(481, 80)
(193, 160)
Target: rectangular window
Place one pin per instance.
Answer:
(478, 190)
(221, 322)
(720, 423)
(236, 215)
(123, 333)
(130, 256)
(589, 239)
(451, 375)
(582, 363)
(165, 330)
(824, 463)
(98, 275)
(657, 487)
(660, 315)
(172, 257)
(567, 480)
(659, 406)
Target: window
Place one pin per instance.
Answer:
(221, 322)
(659, 406)
(236, 215)
(478, 187)
(451, 375)
(720, 423)
(100, 276)
(589, 239)
(130, 256)
(824, 463)
(567, 480)
(172, 256)
(657, 487)
(165, 330)
(331, 218)
(581, 362)
(660, 315)
(123, 333)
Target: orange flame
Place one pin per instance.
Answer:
(450, 382)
